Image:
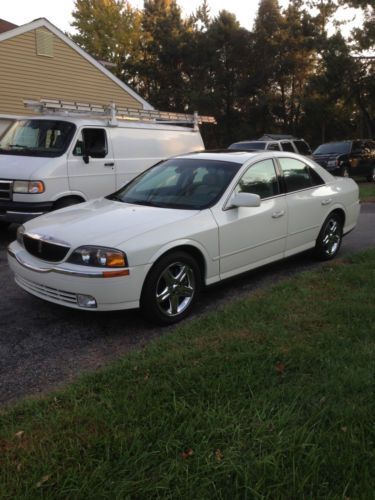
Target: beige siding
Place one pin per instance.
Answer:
(66, 75)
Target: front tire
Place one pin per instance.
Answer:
(171, 288)
(330, 237)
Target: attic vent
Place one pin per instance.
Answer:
(44, 43)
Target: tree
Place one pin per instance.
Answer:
(159, 72)
(228, 72)
(284, 42)
(108, 30)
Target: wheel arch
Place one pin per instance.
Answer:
(74, 197)
(340, 212)
(195, 251)
(69, 194)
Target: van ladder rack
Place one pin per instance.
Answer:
(113, 113)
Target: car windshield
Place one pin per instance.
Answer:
(192, 184)
(333, 148)
(37, 138)
(248, 145)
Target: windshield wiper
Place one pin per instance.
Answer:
(142, 202)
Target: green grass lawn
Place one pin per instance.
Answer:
(366, 191)
(270, 397)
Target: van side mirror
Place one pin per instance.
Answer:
(245, 200)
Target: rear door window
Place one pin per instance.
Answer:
(287, 146)
(273, 146)
(298, 175)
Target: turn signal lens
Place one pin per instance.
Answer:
(28, 187)
(115, 259)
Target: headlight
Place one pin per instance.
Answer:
(98, 257)
(28, 187)
(20, 233)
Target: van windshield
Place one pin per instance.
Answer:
(37, 138)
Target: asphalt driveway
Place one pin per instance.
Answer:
(43, 346)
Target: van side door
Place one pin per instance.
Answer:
(91, 166)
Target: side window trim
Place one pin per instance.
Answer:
(282, 177)
(79, 138)
(276, 175)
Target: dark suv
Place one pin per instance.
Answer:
(348, 158)
(274, 142)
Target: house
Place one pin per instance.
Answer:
(37, 60)
(6, 26)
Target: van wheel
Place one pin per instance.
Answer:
(171, 288)
(329, 240)
(66, 202)
(371, 177)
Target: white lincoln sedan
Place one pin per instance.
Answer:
(189, 221)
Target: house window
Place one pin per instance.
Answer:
(44, 43)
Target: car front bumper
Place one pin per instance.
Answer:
(65, 284)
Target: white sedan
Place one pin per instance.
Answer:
(189, 221)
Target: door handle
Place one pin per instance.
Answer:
(109, 164)
(327, 201)
(278, 214)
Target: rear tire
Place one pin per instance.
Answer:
(171, 288)
(330, 237)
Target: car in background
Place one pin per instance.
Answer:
(348, 158)
(189, 221)
(274, 142)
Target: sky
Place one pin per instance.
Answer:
(58, 12)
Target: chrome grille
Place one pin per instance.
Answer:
(46, 292)
(45, 250)
(5, 189)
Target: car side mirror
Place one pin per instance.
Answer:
(245, 200)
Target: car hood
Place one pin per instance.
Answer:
(21, 167)
(103, 222)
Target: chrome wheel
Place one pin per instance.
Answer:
(175, 289)
(171, 288)
(329, 240)
(331, 237)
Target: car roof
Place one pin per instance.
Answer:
(277, 137)
(236, 156)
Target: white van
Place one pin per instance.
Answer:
(54, 160)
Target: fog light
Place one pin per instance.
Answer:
(86, 301)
